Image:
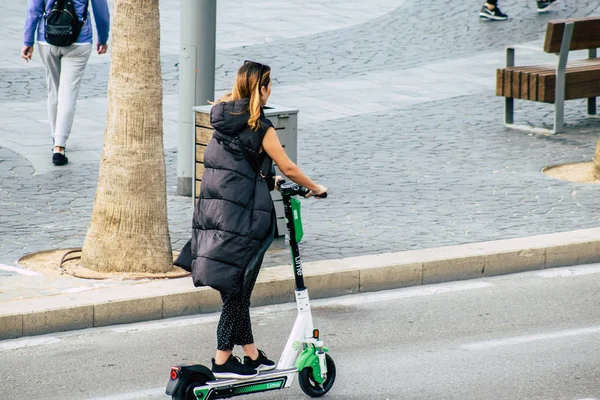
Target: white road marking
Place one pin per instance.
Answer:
(165, 323)
(79, 289)
(28, 342)
(18, 270)
(488, 344)
(361, 298)
(353, 299)
(415, 291)
(142, 394)
(569, 271)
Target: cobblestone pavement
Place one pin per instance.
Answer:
(396, 40)
(417, 174)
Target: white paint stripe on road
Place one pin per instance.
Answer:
(18, 270)
(166, 323)
(415, 291)
(79, 289)
(142, 394)
(27, 342)
(489, 344)
(12, 344)
(354, 299)
(569, 271)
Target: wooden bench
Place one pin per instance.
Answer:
(555, 83)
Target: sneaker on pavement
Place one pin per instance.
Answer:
(492, 15)
(59, 159)
(262, 363)
(544, 5)
(233, 368)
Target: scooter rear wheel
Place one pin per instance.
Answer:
(186, 391)
(310, 386)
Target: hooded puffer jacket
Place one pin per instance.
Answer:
(234, 219)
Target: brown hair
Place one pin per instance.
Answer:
(247, 87)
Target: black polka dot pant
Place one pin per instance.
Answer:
(235, 327)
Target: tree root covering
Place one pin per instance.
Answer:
(582, 172)
(68, 262)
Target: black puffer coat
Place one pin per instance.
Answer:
(234, 219)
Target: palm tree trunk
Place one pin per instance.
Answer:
(597, 161)
(128, 230)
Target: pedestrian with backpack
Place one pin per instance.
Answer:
(64, 37)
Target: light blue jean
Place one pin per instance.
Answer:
(64, 71)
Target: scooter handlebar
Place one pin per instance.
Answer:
(293, 189)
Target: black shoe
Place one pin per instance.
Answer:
(493, 15)
(262, 363)
(544, 5)
(59, 159)
(233, 368)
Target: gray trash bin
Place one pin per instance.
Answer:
(285, 121)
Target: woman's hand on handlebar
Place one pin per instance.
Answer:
(317, 193)
(277, 180)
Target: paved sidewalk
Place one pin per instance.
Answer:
(398, 119)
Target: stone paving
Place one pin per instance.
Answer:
(397, 117)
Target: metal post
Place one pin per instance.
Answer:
(591, 101)
(509, 102)
(591, 106)
(559, 97)
(510, 57)
(196, 79)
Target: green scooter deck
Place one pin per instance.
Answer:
(226, 388)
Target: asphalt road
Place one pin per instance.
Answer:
(524, 336)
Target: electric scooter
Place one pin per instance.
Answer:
(304, 353)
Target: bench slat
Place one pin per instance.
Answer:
(578, 85)
(582, 85)
(499, 82)
(508, 84)
(516, 84)
(533, 87)
(537, 82)
(546, 86)
(586, 34)
(550, 68)
(525, 85)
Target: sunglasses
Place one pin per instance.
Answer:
(262, 69)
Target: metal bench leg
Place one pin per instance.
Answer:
(559, 92)
(509, 117)
(509, 110)
(559, 113)
(591, 107)
(591, 101)
(509, 105)
(509, 102)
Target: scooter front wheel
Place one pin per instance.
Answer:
(310, 386)
(186, 391)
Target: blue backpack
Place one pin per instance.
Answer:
(62, 24)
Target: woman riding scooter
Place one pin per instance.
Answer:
(234, 219)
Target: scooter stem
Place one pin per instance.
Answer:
(291, 215)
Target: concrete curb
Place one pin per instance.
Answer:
(171, 298)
